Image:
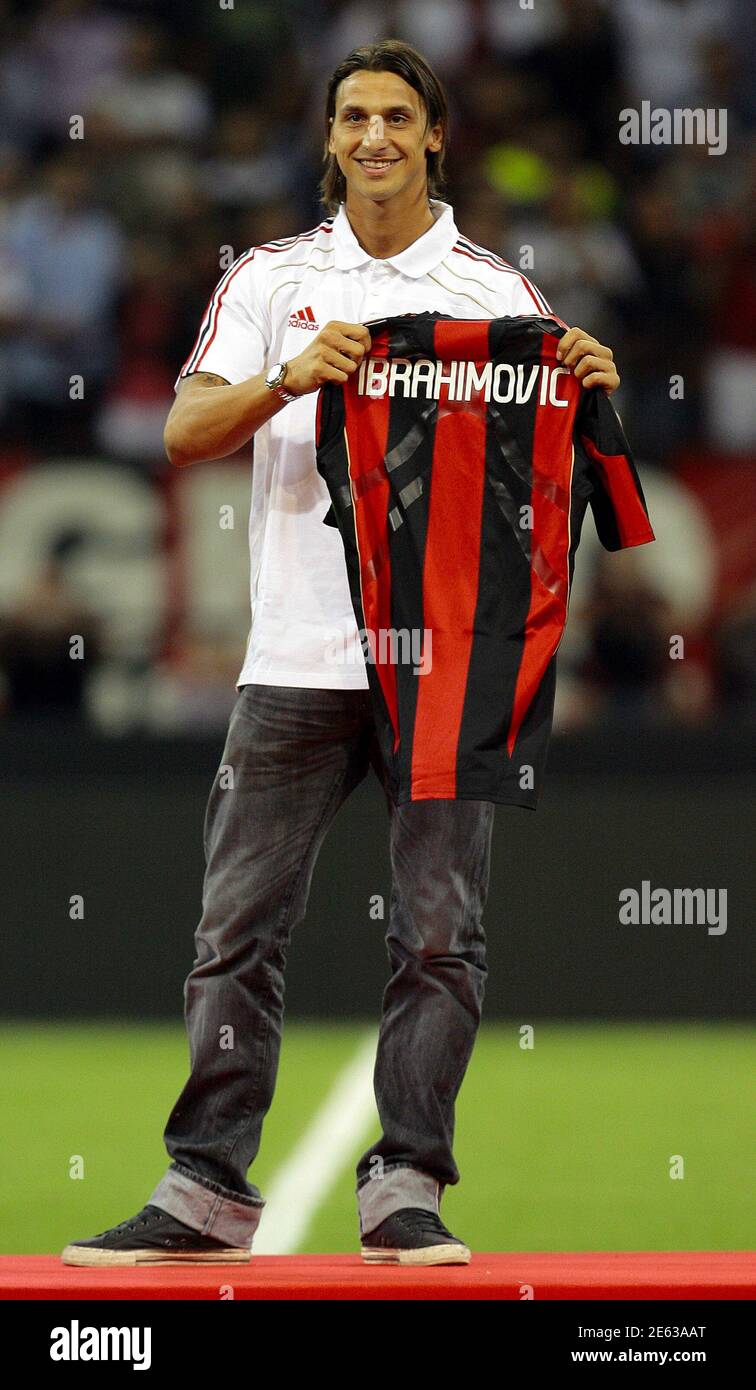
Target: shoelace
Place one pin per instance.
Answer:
(125, 1226)
(427, 1221)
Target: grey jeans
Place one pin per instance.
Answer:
(296, 754)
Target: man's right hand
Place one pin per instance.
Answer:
(332, 356)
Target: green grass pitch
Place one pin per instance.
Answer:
(567, 1146)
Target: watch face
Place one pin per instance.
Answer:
(274, 374)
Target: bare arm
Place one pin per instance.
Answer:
(213, 423)
(211, 419)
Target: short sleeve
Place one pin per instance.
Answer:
(616, 496)
(527, 298)
(234, 334)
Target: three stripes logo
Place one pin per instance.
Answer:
(303, 318)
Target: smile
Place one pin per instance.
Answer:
(377, 163)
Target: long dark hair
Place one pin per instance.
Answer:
(387, 55)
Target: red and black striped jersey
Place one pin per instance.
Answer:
(460, 459)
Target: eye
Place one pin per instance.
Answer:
(355, 116)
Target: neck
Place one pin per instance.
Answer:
(385, 229)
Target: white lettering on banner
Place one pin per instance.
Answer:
(136, 585)
(115, 564)
(459, 381)
(215, 578)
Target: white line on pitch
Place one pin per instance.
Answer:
(304, 1180)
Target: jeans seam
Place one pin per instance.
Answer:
(474, 934)
(214, 1210)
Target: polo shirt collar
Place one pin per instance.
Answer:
(415, 260)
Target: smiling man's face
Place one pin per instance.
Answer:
(379, 136)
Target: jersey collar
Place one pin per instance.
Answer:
(415, 260)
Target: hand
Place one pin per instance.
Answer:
(592, 363)
(332, 356)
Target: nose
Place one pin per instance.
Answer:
(375, 132)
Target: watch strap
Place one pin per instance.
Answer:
(277, 388)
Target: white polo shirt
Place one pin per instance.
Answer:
(265, 309)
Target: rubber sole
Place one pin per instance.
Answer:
(424, 1255)
(99, 1259)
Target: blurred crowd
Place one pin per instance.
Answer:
(140, 142)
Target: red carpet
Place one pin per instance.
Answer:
(704, 1274)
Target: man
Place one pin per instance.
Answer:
(301, 734)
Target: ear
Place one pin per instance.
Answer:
(435, 140)
(331, 149)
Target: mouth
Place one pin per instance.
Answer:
(377, 166)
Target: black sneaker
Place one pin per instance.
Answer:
(152, 1237)
(413, 1236)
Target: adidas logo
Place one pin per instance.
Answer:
(303, 318)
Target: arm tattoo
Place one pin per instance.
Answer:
(205, 379)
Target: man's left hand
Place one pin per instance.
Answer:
(592, 363)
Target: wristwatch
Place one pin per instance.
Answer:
(274, 381)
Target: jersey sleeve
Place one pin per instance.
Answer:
(234, 334)
(330, 459)
(616, 496)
